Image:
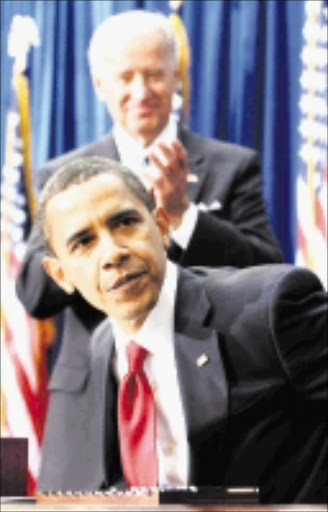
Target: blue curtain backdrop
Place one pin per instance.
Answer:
(244, 82)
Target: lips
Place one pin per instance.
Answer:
(125, 279)
(143, 109)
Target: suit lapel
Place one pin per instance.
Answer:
(201, 373)
(197, 168)
(104, 383)
(112, 148)
(107, 147)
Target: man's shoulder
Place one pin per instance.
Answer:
(258, 291)
(101, 147)
(102, 337)
(219, 148)
(267, 312)
(276, 278)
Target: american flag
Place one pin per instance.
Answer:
(23, 340)
(312, 178)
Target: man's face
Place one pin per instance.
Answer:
(137, 85)
(109, 247)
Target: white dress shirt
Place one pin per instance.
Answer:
(133, 156)
(157, 336)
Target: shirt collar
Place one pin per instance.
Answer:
(158, 327)
(132, 154)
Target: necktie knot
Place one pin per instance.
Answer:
(136, 357)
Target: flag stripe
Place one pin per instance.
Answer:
(312, 177)
(34, 407)
(23, 339)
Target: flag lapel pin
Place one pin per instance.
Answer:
(202, 360)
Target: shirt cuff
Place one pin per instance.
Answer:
(183, 233)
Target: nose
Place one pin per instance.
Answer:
(139, 87)
(112, 252)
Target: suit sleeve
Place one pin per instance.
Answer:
(299, 322)
(240, 233)
(39, 294)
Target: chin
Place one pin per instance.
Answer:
(139, 314)
(149, 128)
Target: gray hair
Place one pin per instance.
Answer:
(126, 25)
(80, 171)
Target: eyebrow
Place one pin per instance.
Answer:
(119, 216)
(77, 236)
(111, 221)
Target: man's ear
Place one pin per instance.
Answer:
(162, 220)
(177, 79)
(54, 269)
(177, 76)
(98, 87)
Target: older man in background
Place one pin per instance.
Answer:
(211, 190)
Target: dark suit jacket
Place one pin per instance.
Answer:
(237, 234)
(255, 412)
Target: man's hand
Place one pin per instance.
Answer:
(167, 177)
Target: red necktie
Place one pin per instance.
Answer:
(136, 422)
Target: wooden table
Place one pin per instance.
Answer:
(23, 505)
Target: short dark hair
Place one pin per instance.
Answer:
(79, 171)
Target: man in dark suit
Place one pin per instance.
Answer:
(236, 358)
(211, 190)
